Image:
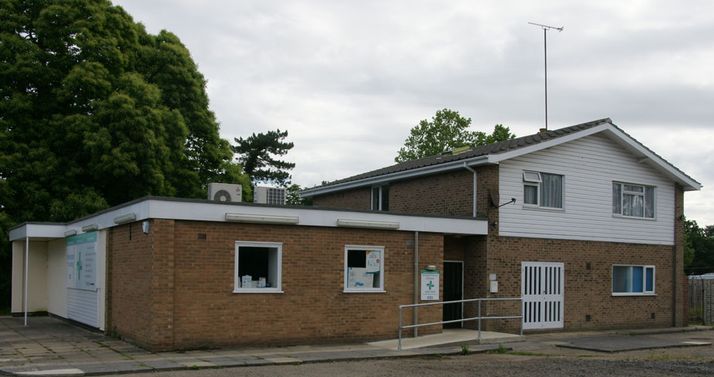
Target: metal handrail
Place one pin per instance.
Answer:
(477, 318)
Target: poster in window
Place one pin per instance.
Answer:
(357, 277)
(82, 261)
(373, 263)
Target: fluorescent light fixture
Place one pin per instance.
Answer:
(70, 232)
(262, 219)
(90, 227)
(349, 223)
(126, 218)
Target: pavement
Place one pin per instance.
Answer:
(54, 347)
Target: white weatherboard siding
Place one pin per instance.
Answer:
(82, 306)
(589, 166)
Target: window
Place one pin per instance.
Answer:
(632, 200)
(633, 280)
(542, 189)
(364, 269)
(380, 198)
(258, 267)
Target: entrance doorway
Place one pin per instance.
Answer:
(542, 285)
(453, 290)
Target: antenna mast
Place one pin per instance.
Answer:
(545, 54)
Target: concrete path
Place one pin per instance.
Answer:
(450, 337)
(54, 347)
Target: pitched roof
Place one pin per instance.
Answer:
(484, 151)
(502, 146)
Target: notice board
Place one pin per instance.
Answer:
(82, 261)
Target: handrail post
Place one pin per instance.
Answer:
(521, 307)
(479, 321)
(399, 342)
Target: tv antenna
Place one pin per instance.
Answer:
(545, 54)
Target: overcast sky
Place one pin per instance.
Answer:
(348, 79)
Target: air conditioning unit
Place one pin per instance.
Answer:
(269, 195)
(225, 192)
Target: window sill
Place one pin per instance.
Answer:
(634, 294)
(633, 217)
(258, 290)
(364, 291)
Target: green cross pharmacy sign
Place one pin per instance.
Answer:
(429, 285)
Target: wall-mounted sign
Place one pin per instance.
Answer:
(429, 285)
(82, 261)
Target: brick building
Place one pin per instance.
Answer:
(584, 223)
(168, 273)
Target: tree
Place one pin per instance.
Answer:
(698, 248)
(94, 111)
(257, 154)
(293, 196)
(447, 130)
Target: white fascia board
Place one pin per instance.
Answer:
(453, 165)
(496, 158)
(216, 212)
(106, 219)
(193, 211)
(688, 183)
(668, 169)
(37, 231)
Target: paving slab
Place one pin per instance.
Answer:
(622, 343)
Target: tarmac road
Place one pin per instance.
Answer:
(493, 365)
(537, 357)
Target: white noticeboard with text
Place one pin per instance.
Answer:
(429, 285)
(82, 261)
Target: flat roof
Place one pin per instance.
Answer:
(152, 207)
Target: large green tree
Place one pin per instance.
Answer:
(94, 111)
(258, 154)
(698, 248)
(446, 130)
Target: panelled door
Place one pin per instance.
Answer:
(542, 285)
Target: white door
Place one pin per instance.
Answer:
(542, 285)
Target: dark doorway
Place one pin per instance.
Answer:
(453, 290)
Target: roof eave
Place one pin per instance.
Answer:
(381, 179)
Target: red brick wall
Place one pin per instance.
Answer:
(188, 301)
(357, 199)
(588, 279)
(681, 300)
(130, 277)
(444, 194)
(448, 194)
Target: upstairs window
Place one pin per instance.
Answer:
(633, 200)
(380, 198)
(542, 189)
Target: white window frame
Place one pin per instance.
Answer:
(644, 292)
(380, 289)
(381, 202)
(537, 182)
(644, 200)
(279, 278)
